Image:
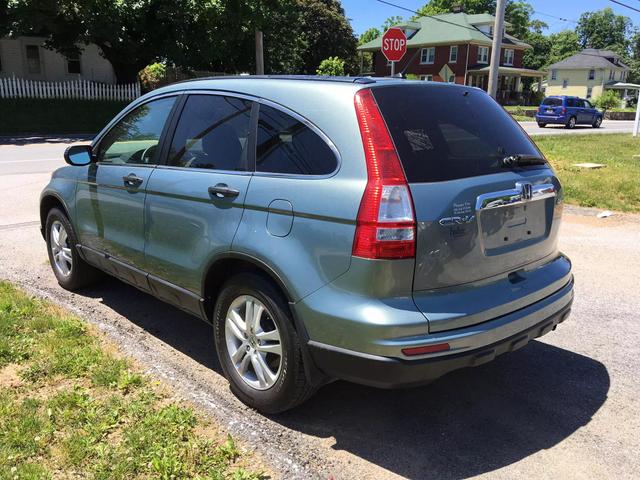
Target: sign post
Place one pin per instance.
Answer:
(394, 46)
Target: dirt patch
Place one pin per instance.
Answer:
(10, 376)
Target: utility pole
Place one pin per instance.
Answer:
(259, 53)
(498, 28)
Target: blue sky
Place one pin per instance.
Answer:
(369, 13)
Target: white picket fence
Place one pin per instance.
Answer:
(79, 89)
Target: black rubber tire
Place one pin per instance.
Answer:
(542, 125)
(596, 123)
(82, 274)
(292, 387)
(570, 125)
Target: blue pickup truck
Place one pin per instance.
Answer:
(568, 111)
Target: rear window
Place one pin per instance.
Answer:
(443, 133)
(552, 102)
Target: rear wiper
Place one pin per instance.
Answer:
(522, 160)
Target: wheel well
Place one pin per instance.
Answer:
(225, 268)
(46, 204)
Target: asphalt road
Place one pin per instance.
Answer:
(566, 406)
(608, 126)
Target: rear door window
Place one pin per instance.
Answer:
(552, 102)
(286, 145)
(212, 133)
(443, 133)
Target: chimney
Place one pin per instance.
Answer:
(457, 8)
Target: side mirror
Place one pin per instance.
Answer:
(78, 155)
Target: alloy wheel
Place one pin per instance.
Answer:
(253, 342)
(61, 249)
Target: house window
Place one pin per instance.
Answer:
(565, 83)
(508, 56)
(483, 54)
(33, 59)
(554, 74)
(592, 74)
(453, 54)
(452, 79)
(589, 91)
(428, 55)
(73, 64)
(428, 78)
(612, 74)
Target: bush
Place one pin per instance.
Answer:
(608, 100)
(52, 115)
(152, 75)
(332, 66)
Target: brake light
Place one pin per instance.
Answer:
(564, 110)
(386, 226)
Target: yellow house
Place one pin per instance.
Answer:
(586, 74)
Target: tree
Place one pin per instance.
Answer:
(370, 34)
(332, 66)
(390, 22)
(517, 13)
(131, 34)
(538, 56)
(603, 28)
(563, 44)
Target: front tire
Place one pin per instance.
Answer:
(71, 271)
(258, 347)
(597, 122)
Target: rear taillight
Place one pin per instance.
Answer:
(386, 226)
(564, 110)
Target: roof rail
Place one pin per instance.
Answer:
(312, 78)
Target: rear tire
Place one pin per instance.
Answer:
(71, 271)
(542, 125)
(571, 123)
(597, 122)
(258, 376)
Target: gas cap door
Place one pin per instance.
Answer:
(280, 218)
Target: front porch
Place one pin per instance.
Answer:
(510, 83)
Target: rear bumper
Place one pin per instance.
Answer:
(495, 337)
(559, 119)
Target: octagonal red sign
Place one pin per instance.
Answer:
(394, 44)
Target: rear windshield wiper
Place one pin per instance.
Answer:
(522, 160)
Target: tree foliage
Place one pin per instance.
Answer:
(608, 100)
(213, 35)
(603, 28)
(517, 13)
(332, 66)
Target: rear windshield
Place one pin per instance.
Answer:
(552, 102)
(443, 133)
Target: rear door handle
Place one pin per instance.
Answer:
(132, 180)
(222, 190)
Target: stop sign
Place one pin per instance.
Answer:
(394, 44)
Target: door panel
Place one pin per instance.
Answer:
(194, 205)
(186, 224)
(110, 199)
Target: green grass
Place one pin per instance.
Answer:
(20, 116)
(69, 408)
(615, 186)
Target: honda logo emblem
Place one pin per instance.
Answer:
(526, 190)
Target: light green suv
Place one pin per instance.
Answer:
(380, 231)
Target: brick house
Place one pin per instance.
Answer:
(456, 48)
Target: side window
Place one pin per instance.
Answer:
(213, 133)
(134, 139)
(587, 104)
(286, 145)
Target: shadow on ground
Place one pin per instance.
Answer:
(467, 423)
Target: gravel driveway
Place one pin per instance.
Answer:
(565, 406)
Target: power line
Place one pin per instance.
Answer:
(427, 16)
(557, 18)
(625, 5)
